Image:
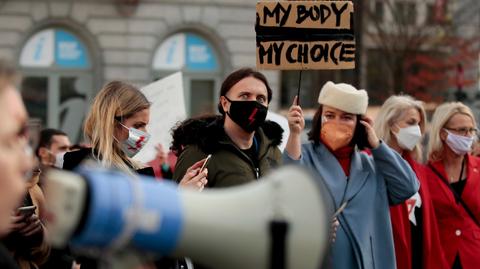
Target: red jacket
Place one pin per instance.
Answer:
(432, 254)
(458, 232)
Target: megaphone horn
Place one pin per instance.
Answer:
(279, 221)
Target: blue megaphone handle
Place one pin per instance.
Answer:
(146, 213)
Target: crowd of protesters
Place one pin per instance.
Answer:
(393, 208)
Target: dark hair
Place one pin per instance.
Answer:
(359, 139)
(45, 140)
(182, 131)
(238, 75)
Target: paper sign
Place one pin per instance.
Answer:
(168, 108)
(305, 35)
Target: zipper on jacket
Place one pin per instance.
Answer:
(247, 158)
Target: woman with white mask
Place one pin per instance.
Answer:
(116, 127)
(453, 178)
(401, 123)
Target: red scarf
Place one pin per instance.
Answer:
(343, 156)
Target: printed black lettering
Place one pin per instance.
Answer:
(347, 53)
(262, 52)
(303, 13)
(280, 14)
(305, 35)
(332, 52)
(325, 13)
(318, 52)
(277, 48)
(289, 55)
(315, 15)
(338, 12)
(302, 55)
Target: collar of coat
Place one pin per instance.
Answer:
(207, 133)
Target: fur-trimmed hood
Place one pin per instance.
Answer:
(207, 131)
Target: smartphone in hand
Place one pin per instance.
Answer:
(26, 210)
(205, 162)
(361, 136)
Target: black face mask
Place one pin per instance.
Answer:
(247, 114)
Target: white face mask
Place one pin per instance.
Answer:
(408, 137)
(459, 144)
(59, 159)
(135, 141)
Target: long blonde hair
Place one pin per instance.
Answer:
(116, 100)
(442, 115)
(392, 110)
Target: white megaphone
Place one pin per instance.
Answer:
(282, 221)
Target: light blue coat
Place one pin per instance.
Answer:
(364, 238)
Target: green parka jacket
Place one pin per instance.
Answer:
(195, 138)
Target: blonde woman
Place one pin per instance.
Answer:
(453, 177)
(401, 123)
(116, 129)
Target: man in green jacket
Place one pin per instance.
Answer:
(243, 145)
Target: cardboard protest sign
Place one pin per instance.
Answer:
(305, 35)
(167, 108)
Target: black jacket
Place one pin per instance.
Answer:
(73, 158)
(6, 259)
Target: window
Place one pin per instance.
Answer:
(197, 59)
(57, 83)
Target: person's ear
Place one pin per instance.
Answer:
(46, 156)
(394, 129)
(43, 153)
(120, 133)
(225, 103)
(443, 135)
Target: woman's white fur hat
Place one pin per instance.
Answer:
(344, 97)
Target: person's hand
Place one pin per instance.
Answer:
(334, 228)
(371, 135)
(296, 121)
(26, 225)
(194, 178)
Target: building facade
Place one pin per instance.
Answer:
(66, 50)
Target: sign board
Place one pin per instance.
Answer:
(305, 35)
(54, 48)
(171, 53)
(39, 50)
(69, 51)
(167, 108)
(185, 51)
